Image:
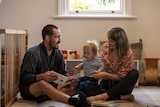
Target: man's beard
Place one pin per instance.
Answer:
(56, 47)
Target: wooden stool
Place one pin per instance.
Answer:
(151, 71)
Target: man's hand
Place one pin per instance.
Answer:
(49, 76)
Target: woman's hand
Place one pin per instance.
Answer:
(96, 71)
(49, 76)
(106, 76)
(99, 75)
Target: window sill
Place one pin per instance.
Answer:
(94, 17)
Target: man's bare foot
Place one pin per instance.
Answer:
(128, 97)
(68, 90)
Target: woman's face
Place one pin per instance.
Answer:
(112, 43)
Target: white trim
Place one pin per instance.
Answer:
(128, 7)
(93, 17)
(136, 64)
(61, 7)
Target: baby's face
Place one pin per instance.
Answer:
(88, 54)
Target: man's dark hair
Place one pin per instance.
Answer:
(48, 30)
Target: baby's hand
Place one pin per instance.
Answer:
(78, 67)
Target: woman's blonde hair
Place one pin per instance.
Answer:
(93, 45)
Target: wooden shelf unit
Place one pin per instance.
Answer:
(13, 46)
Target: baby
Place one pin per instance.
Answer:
(89, 64)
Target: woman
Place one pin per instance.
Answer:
(119, 78)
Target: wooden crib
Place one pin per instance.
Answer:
(13, 45)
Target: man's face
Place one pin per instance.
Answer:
(55, 39)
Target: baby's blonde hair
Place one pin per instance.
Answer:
(93, 45)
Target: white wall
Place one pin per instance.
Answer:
(32, 15)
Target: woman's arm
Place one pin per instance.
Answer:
(126, 65)
(106, 76)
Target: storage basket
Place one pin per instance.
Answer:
(137, 49)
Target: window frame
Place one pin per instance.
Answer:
(63, 11)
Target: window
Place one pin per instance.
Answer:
(90, 7)
(95, 8)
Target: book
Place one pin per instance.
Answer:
(102, 103)
(152, 106)
(64, 80)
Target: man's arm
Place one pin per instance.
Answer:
(28, 71)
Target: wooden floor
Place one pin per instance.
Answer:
(144, 96)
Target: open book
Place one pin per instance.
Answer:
(64, 80)
(102, 103)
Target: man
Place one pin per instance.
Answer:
(36, 80)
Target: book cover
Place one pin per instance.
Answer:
(103, 103)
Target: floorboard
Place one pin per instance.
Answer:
(144, 96)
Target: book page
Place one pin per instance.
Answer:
(64, 80)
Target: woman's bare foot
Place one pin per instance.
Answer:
(90, 99)
(128, 97)
(102, 96)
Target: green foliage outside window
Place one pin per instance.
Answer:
(92, 4)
